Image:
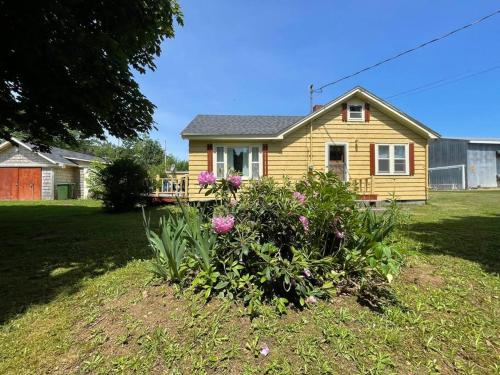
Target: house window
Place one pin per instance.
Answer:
(243, 159)
(355, 112)
(219, 166)
(392, 159)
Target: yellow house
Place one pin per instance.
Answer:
(377, 148)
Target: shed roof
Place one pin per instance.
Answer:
(477, 140)
(57, 155)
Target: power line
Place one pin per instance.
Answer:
(406, 52)
(445, 81)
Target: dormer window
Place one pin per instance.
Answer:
(355, 112)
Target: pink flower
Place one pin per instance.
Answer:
(206, 178)
(339, 234)
(265, 350)
(300, 197)
(234, 180)
(305, 222)
(222, 224)
(307, 272)
(311, 300)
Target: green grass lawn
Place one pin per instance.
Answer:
(76, 298)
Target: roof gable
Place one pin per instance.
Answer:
(361, 93)
(56, 156)
(13, 154)
(277, 127)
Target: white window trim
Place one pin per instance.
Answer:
(225, 146)
(362, 119)
(346, 150)
(391, 159)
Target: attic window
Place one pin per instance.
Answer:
(355, 112)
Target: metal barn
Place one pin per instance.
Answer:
(464, 163)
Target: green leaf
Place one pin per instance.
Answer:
(221, 285)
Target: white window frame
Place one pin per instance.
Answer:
(346, 154)
(235, 145)
(362, 119)
(391, 159)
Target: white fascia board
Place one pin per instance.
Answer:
(229, 137)
(364, 94)
(29, 148)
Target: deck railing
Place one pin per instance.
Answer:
(364, 188)
(362, 185)
(174, 185)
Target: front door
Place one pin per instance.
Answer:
(30, 183)
(337, 161)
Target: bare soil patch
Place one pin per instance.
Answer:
(423, 275)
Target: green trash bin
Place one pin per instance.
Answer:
(64, 191)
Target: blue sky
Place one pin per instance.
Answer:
(259, 57)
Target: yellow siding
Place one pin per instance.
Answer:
(293, 155)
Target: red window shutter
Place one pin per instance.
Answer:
(372, 159)
(367, 112)
(412, 159)
(344, 112)
(210, 157)
(265, 160)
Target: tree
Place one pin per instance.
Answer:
(68, 66)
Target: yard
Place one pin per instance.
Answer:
(77, 298)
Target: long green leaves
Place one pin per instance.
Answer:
(203, 241)
(169, 247)
(180, 236)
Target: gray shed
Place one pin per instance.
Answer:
(464, 163)
(26, 174)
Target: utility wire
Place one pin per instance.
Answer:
(442, 82)
(319, 90)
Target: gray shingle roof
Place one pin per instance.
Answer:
(73, 154)
(63, 156)
(235, 125)
(239, 125)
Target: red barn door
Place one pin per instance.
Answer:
(30, 183)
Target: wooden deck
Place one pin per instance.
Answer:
(170, 189)
(175, 187)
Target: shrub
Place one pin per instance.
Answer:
(281, 243)
(94, 181)
(125, 184)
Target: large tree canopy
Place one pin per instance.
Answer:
(67, 66)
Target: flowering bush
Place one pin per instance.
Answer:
(301, 198)
(222, 224)
(305, 222)
(281, 243)
(224, 190)
(235, 181)
(206, 178)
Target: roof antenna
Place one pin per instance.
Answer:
(311, 93)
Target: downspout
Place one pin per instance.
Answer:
(310, 145)
(310, 164)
